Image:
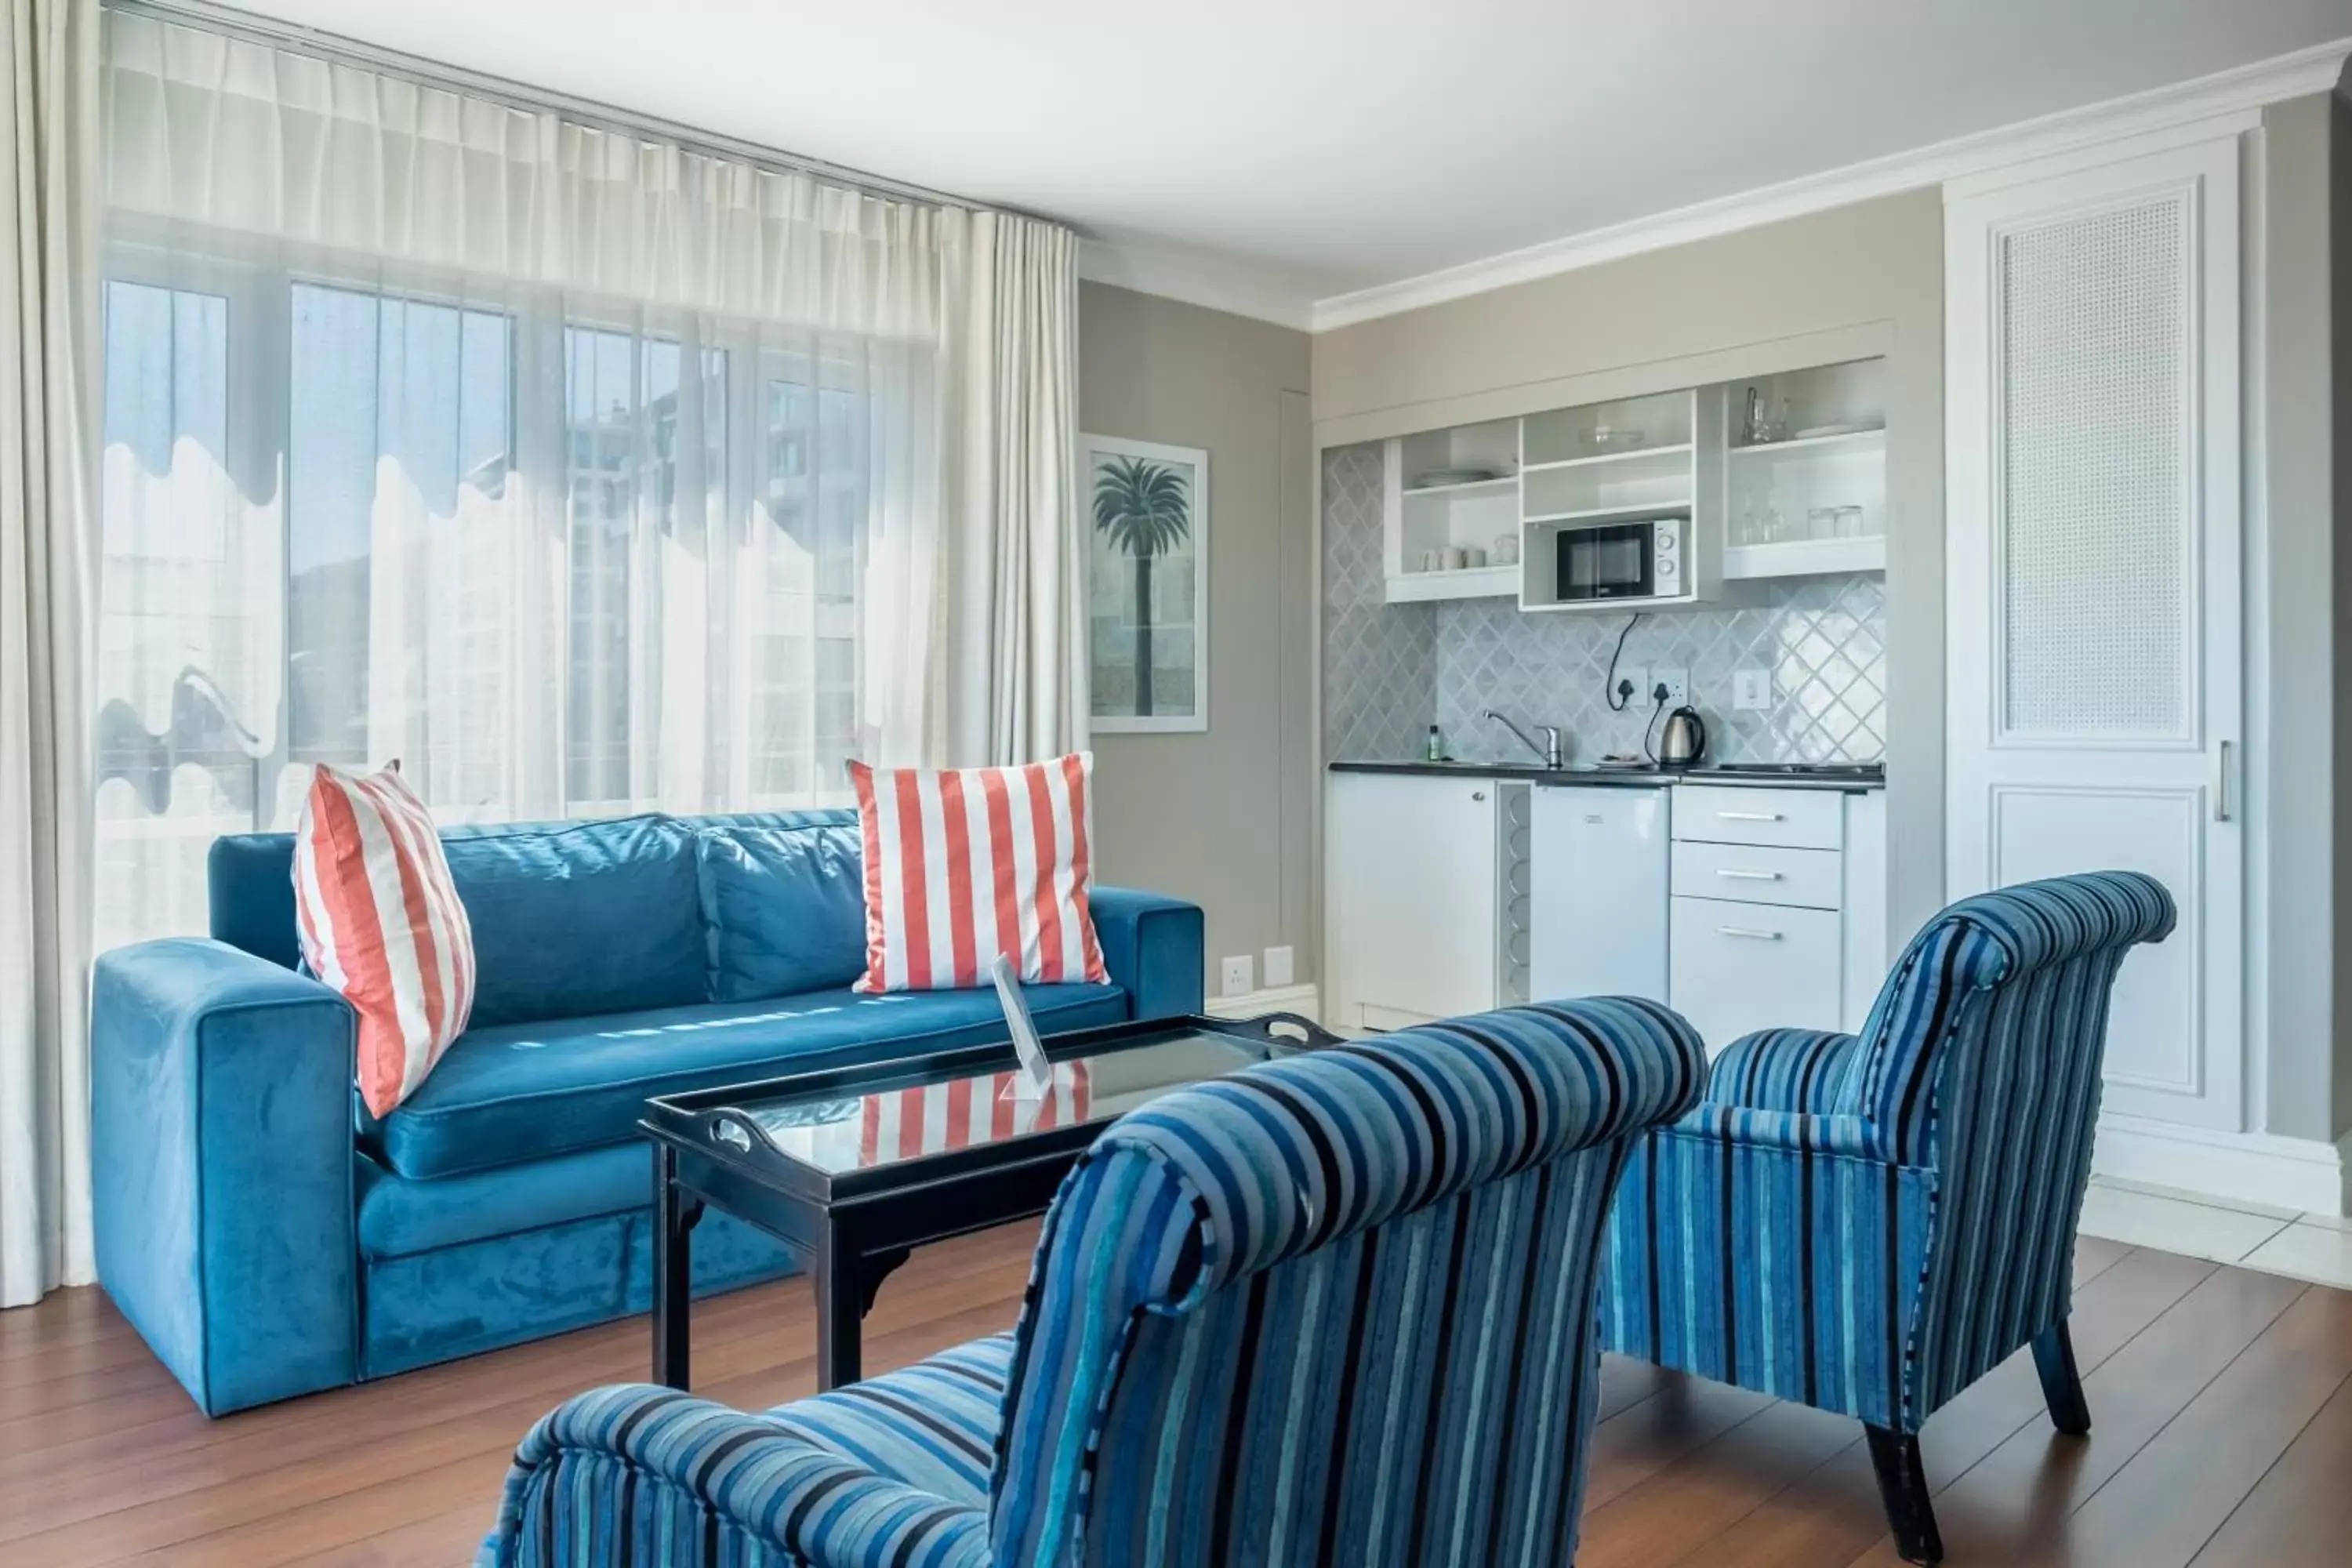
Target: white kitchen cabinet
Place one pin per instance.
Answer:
(1426, 897)
(1598, 865)
(1780, 909)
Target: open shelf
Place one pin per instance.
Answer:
(1815, 445)
(1806, 557)
(1500, 485)
(1630, 452)
(1638, 513)
(1464, 582)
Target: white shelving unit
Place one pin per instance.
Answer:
(1800, 490)
(1809, 496)
(1471, 516)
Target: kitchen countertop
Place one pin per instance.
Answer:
(1629, 778)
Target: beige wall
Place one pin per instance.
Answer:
(1222, 818)
(1867, 278)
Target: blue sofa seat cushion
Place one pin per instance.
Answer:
(524, 1091)
(931, 1426)
(783, 903)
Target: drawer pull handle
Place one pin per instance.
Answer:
(1748, 875)
(1750, 933)
(1749, 815)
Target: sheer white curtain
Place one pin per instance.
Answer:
(579, 472)
(48, 233)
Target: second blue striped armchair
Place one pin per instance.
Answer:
(1338, 1308)
(1868, 1224)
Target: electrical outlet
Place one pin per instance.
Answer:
(1235, 976)
(1675, 680)
(1632, 688)
(1280, 967)
(1751, 687)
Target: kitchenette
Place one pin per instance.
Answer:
(1605, 697)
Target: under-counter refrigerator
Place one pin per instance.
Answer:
(1598, 874)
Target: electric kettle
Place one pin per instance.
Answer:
(1683, 739)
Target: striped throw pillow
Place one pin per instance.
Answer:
(967, 863)
(380, 922)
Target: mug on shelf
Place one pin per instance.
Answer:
(1456, 558)
(1473, 557)
(1432, 561)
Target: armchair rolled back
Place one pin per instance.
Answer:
(1981, 1060)
(1338, 1308)
(2016, 979)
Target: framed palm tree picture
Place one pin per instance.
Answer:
(1148, 581)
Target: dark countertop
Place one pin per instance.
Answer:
(1625, 778)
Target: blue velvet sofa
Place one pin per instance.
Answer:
(1334, 1309)
(268, 1239)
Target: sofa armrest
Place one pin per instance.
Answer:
(1796, 1132)
(1788, 1069)
(698, 1472)
(221, 1148)
(1155, 949)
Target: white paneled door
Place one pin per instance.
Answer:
(2093, 570)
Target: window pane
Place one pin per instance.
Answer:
(397, 410)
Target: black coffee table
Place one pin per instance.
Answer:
(855, 1166)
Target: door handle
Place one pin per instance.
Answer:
(1750, 933)
(1748, 875)
(1749, 815)
(2223, 807)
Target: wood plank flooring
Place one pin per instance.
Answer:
(2222, 1398)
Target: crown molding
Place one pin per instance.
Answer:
(1197, 278)
(2320, 68)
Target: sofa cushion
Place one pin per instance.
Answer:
(577, 919)
(516, 1092)
(783, 904)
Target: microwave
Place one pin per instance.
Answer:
(1646, 560)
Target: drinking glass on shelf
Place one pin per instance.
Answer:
(1849, 523)
(1776, 527)
(1821, 522)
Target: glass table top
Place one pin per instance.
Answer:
(913, 1120)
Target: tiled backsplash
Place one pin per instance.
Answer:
(1391, 670)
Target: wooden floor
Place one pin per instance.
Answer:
(2222, 1401)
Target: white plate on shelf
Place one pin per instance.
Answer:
(1438, 478)
(1821, 432)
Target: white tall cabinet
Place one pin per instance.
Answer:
(2093, 546)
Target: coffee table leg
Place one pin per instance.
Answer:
(674, 1217)
(841, 1298)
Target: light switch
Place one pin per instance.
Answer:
(1751, 687)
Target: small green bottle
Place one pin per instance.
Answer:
(1436, 746)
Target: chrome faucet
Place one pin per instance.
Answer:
(1550, 751)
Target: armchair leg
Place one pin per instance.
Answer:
(1903, 1487)
(2062, 1384)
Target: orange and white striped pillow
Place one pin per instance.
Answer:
(967, 863)
(381, 924)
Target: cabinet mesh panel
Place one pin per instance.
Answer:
(2094, 460)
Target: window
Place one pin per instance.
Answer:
(555, 563)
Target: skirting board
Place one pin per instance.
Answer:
(2300, 1173)
(1303, 1000)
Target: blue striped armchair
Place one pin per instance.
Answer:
(1335, 1309)
(1869, 1224)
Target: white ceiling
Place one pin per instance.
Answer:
(1302, 149)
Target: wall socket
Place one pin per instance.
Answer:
(1637, 697)
(1235, 976)
(1676, 681)
(1751, 687)
(1281, 968)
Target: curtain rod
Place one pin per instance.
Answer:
(293, 36)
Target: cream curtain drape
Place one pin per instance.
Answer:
(581, 471)
(49, 384)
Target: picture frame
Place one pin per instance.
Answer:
(1147, 522)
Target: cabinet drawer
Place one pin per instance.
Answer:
(1785, 819)
(1809, 878)
(1738, 968)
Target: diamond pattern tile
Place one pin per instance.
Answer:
(1391, 670)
